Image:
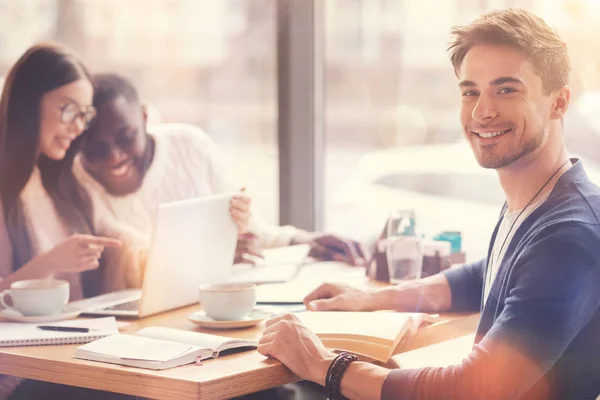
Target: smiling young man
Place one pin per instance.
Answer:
(129, 168)
(539, 288)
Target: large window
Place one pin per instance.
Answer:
(210, 63)
(392, 107)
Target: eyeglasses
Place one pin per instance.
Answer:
(71, 113)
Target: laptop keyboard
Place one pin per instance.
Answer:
(129, 306)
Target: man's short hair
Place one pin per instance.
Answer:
(522, 30)
(108, 87)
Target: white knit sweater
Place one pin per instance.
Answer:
(187, 164)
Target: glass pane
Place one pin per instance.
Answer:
(210, 63)
(394, 139)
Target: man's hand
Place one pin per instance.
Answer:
(338, 296)
(329, 247)
(299, 349)
(239, 208)
(248, 248)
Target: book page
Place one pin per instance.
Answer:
(377, 327)
(372, 334)
(137, 348)
(204, 340)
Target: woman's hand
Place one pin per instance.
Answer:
(76, 254)
(239, 208)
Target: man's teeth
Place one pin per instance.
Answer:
(487, 135)
(122, 170)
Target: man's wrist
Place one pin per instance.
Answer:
(321, 369)
(381, 299)
(371, 300)
(301, 237)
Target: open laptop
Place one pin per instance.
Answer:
(193, 243)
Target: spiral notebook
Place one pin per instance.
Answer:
(25, 334)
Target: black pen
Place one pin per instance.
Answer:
(62, 328)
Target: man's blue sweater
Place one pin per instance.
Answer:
(539, 333)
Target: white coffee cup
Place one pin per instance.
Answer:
(37, 297)
(228, 301)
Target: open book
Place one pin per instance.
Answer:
(372, 334)
(159, 348)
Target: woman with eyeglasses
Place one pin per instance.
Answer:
(45, 217)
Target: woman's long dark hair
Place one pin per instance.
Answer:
(43, 68)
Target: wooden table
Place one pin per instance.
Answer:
(221, 378)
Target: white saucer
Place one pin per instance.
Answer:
(255, 317)
(67, 313)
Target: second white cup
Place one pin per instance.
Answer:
(227, 301)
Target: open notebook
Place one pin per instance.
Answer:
(277, 265)
(372, 334)
(25, 334)
(309, 277)
(159, 348)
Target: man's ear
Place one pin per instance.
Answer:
(561, 102)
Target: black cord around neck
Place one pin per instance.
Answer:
(488, 280)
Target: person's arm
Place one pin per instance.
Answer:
(466, 285)
(272, 236)
(208, 163)
(78, 253)
(333, 247)
(431, 294)
(456, 290)
(554, 295)
(31, 270)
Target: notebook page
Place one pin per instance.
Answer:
(278, 265)
(25, 334)
(263, 274)
(203, 340)
(310, 277)
(137, 348)
(329, 270)
(382, 325)
(285, 255)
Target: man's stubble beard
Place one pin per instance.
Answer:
(501, 161)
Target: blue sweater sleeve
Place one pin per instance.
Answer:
(552, 298)
(466, 284)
